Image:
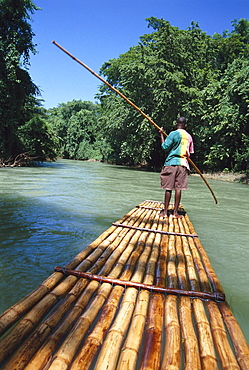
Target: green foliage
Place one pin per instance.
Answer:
(174, 72)
(232, 46)
(16, 86)
(227, 119)
(76, 126)
(23, 125)
(38, 138)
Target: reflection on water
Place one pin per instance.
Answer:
(50, 213)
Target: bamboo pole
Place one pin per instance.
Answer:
(23, 355)
(190, 342)
(213, 279)
(172, 348)
(202, 275)
(130, 351)
(44, 354)
(135, 107)
(186, 278)
(153, 336)
(25, 326)
(151, 288)
(94, 340)
(222, 345)
(218, 331)
(237, 336)
(206, 345)
(193, 281)
(110, 349)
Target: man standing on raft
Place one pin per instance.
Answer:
(174, 175)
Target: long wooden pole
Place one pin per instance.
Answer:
(203, 295)
(136, 107)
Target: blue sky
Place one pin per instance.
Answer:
(95, 31)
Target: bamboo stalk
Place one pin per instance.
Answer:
(121, 263)
(206, 345)
(237, 336)
(109, 353)
(171, 353)
(186, 277)
(130, 350)
(95, 339)
(172, 348)
(153, 336)
(219, 334)
(222, 345)
(44, 354)
(190, 342)
(25, 326)
(151, 288)
(115, 246)
(171, 259)
(190, 267)
(214, 281)
(14, 313)
(22, 356)
(202, 275)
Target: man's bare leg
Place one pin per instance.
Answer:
(178, 194)
(167, 197)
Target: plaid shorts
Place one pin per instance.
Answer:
(174, 178)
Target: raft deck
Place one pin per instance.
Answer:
(147, 298)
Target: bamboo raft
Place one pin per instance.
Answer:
(143, 295)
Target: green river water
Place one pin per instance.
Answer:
(51, 212)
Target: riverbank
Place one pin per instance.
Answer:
(226, 176)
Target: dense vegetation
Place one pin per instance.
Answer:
(174, 72)
(170, 72)
(23, 126)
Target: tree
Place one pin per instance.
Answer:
(174, 72)
(39, 138)
(227, 119)
(231, 46)
(16, 86)
(164, 75)
(77, 127)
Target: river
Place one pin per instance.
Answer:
(51, 212)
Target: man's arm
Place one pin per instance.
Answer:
(161, 131)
